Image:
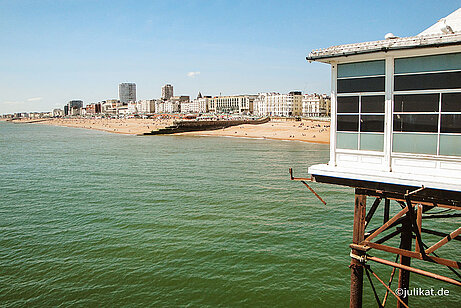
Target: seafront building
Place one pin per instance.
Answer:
(73, 108)
(167, 92)
(93, 108)
(38, 115)
(146, 106)
(279, 105)
(199, 105)
(127, 92)
(56, 113)
(174, 103)
(110, 106)
(316, 105)
(241, 104)
(293, 104)
(159, 106)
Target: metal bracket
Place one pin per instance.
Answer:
(304, 180)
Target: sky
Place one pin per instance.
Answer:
(55, 51)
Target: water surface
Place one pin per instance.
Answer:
(89, 218)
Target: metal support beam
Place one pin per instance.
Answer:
(404, 274)
(356, 266)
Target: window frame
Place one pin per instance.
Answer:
(439, 113)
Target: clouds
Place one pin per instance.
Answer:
(34, 99)
(193, 74)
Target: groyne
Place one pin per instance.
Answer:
(190, 126)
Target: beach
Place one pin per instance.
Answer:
(305, 130)
(119, 126)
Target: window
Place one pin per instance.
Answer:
(431, 81)
(353, 85)
(428, 123)
(360, 118)
(416, 103)
(360, 122)
(348, 104)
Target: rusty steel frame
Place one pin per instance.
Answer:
(410, 217)
(409, 224)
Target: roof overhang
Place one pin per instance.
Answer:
(414, 42)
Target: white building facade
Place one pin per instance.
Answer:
(315, 105)
(279, 105)
(242, 104)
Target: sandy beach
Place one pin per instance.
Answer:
(306, 130)
(118, 126)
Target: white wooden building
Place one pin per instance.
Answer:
(396, 109)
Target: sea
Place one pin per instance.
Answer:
(94, 219)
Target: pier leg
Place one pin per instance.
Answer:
(358, 236)
(405, 243)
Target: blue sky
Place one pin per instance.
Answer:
(55, 51)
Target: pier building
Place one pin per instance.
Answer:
(396, 138)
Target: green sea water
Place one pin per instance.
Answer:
(94, 219)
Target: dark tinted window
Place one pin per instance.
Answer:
(348, 123)
(369, 84)
(372, 123)
(451, 102)
(373, 104)
(451, 80)
(416, 103)
(348, 104)
(450, 123)
(416, 123)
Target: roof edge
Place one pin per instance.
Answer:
(412, 42)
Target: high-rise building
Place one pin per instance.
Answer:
(73, 107)
(127, 92)
(167, 91)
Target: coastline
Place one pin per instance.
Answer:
(305, 131)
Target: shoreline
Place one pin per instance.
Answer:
(312, 131)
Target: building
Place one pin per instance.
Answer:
(396, 137)
(132, 108)
(279, 105)
(110, 106)
(146, 106)
(315, 105)
(74, 107)
(174, 103)
(159, 106)
(127, 92)
(56, 113)
(93, 108)
(167, 92)
(123, 111)
(242, 104)
(198, 105)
